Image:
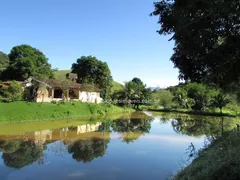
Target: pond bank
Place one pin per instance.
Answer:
(201, 113)
(220, 160)
(29, 111)
(17, 128)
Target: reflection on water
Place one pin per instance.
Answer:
(153, 145)
(18, 153)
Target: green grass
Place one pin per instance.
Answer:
(117, 86)
(226, 112)
(61, 75)
(26, 111)
(221, 160)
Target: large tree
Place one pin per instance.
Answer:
(90, 70)
(26, 61)
(4, 61)
(135, 92)
(207, 38)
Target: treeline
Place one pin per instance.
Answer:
(200, 97)
(186, 96)
(195, 96)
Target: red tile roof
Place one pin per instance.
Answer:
(55, 83)
(62, 83)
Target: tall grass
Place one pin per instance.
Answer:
(221, 161)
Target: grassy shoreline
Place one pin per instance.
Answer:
(16, 128)
(190, 112)
(220, 160)
(29, 111)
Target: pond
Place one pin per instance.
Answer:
(137, 146)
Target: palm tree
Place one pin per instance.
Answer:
(220, 101)
(180, 96)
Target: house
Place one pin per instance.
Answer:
(48, 90)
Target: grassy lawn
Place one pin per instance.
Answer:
(116, 86)
(61, 74)
(30, 111)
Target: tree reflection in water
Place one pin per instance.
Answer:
(87, 142)
(89, 149)
(207, 126)
(18, 153)
(85, 150)
(83, 146)
(132, 128)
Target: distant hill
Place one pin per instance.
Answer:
(61, 74)
(117, 86)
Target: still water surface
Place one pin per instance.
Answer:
(138, 147)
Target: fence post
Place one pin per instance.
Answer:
(238, 127)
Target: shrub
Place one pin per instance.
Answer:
(11, 92)
(163, 98)
(201, 95)
(54, 102)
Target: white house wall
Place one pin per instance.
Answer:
(93, 97)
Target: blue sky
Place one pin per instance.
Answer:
(119, 32)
